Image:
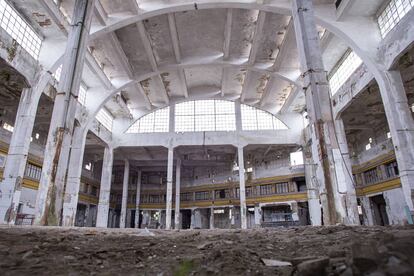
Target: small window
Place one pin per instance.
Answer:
(296, 158)
(105, 118)
(392, 14)
(346, 66)
(388, 135)
(88, 166)
(8, 127)
(368, 146)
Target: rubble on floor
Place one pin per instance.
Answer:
(336, 250)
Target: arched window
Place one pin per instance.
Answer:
(256, 119)
(205, 115)
(157, 121)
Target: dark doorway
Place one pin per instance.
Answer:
(186, 219)
(379, 205)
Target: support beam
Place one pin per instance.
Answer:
(177, 52)
(253, 51)
(170, 169)
(290, 99)
(346, 194)
(138, 198)
(211, 217)
(315, 83)
(49, 200)
(177, 195)
(105, 189)
(401, 124)
(227, 34)
(73, 180)
(174, 37)
(124, 204)
(243, 207)
(10, 186)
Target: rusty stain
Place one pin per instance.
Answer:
(12, 50)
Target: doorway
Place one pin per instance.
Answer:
(379, 211)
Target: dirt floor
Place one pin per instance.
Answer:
(337, 250)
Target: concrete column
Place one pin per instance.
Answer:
(346, 193)
(315, 213)
(257, 216)
(170, 169)
(138, 199)
(315, 84)
(367, 211)
(49, 200)
(243, 207)
(211, 217)
(192, 223)
(87, 214)
(401, 124)
(124, 195)
(70, 201)
(10, 186)
(177, 195)
(238, 116)
(160, 219)
(232, 217)
(105, 189)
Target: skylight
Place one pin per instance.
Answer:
(346, 66)
(105, 118)
(205, 115)
(157, 121)
(392, 14)
(256, 119)
(19, 29)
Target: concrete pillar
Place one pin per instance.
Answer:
(367, 211)
(177, 195)
(138, 199)
(211, 217)
(124, 204)
(243, 207)
(160, 219)
(315, 84)
(73, 179)
(192, 223)
(346, 193)
(49, 200)
(401, 125)
(10, 186)
(238, 116)
(87, 214)
(315, 213)
(170, 169)
(257, 216)
(232, 217)
(105, 189)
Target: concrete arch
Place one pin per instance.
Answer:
(324, 16)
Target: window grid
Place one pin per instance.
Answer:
(157, 121)
(58, 73)
(82, 94)
(205, 115)
(256, 119)
(347, 65)
(392, 14)
(19, 30)
(105, 118)
(33, 171)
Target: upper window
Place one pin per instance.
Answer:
(157, 121)
(392, 14)
(205, 115)
(256, 119)
(82, 94)
(105, 118)
(19, 30)
(346, 66)
(58, 73)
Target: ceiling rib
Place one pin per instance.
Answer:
(177, 52)
(226, 48)
(258, 33)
